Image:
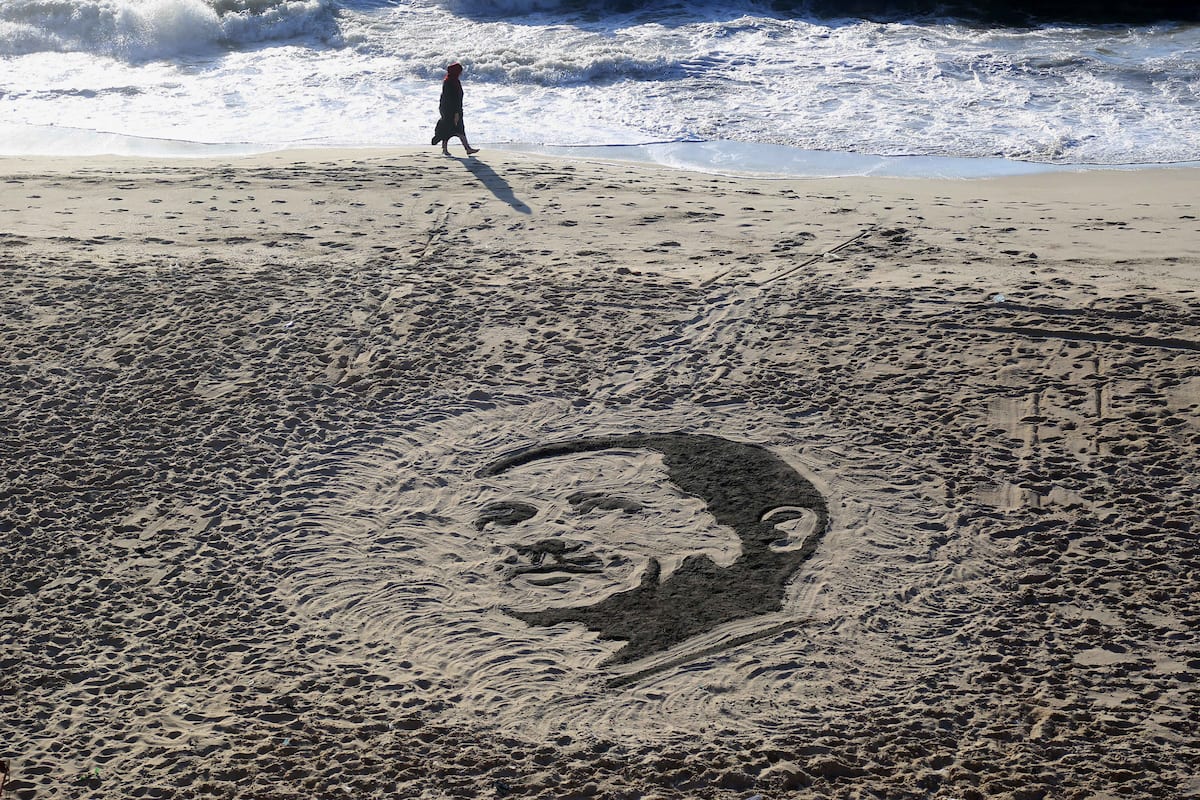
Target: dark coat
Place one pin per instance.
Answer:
(451, 104)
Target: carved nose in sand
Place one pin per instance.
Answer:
(551, 561)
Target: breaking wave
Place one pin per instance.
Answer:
(135, 30)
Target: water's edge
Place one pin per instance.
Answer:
(713, 157)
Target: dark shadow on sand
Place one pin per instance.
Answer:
(492, 180)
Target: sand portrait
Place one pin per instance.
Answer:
(708, 578)
(566, 577)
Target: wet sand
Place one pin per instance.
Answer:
(246, 405)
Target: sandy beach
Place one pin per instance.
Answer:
(267, 421)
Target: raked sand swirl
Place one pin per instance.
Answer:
(247, 405)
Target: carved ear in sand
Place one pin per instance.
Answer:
(795, 525)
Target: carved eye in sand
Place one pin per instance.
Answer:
(602, 501)
(505, 513)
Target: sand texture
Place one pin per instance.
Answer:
(268, 423)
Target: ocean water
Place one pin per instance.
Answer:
(732, 83)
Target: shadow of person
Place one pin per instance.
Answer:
(492, 180)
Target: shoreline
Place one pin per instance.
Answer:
(249, 401)
(715, 157)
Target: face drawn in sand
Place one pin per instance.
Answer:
(710, 572)
(660, 564)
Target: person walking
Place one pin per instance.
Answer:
(450, 107)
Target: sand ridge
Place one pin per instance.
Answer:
(244, 403)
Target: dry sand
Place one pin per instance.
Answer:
(245, 406)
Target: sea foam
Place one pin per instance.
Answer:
(284, 73)
(136, 30)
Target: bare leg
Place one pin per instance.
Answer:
(470, 150)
